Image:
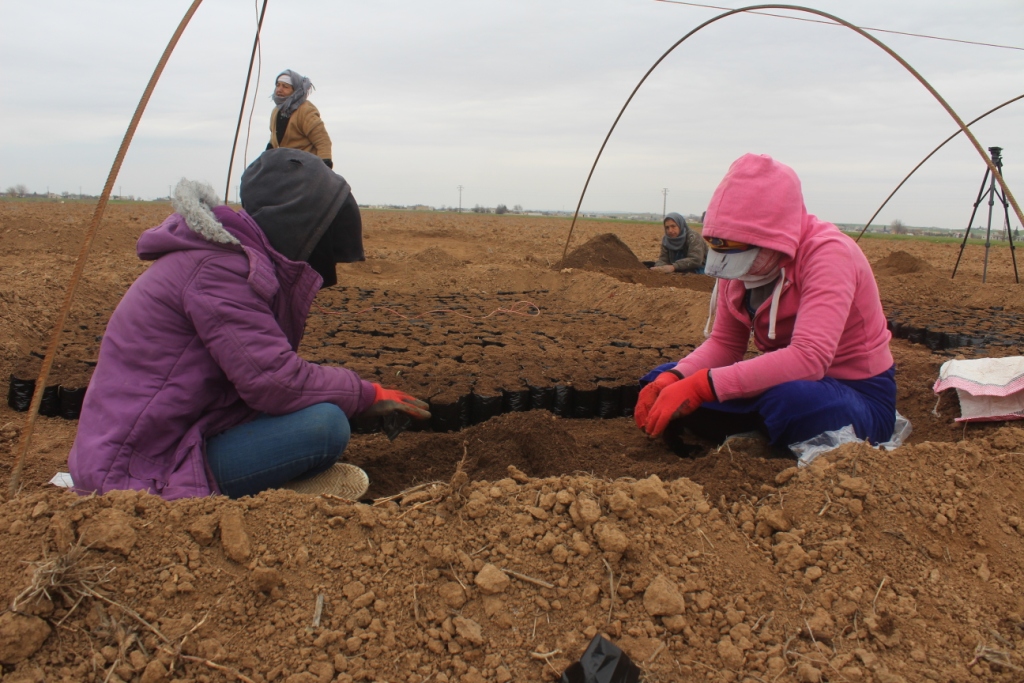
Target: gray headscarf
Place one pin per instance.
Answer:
(676, 244)
(301, 87)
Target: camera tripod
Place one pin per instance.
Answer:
(992, 193)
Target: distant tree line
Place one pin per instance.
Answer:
(500, 209)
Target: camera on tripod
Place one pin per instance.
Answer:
(992, 193)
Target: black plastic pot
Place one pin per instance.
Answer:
(71, 402)
(484, 406)
(49, 406)
(608, 401)
(515, 401)
(364, 425)
(19, 394)
(584, 403)
(448, 415)
(542, 398)
(563, 400)
(628, 394)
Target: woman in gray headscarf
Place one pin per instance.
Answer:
(682, 250)
(295, 122)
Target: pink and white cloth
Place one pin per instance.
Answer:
(989, 388)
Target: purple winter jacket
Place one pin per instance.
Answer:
(203, 341)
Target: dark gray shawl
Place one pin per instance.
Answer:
(676, 245)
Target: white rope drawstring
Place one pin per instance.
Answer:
(776, 295)
(711, 309)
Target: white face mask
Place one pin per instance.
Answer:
(763, 269)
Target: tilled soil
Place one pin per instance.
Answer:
(726, 565)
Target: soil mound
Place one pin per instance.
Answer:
(874, 566)
(609, 255)
(900, 263)
(601, 253)
(437, 257)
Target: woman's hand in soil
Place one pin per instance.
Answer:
(387, 401)
(664, 269)
(649, 394)
(679, 399)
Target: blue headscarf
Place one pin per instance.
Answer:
(301, 87)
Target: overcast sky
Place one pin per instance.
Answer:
(512, 98)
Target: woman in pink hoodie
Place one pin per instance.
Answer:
(807, 294)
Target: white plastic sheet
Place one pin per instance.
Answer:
(807, 451)
(63, 480)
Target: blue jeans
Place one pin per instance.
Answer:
(270, 451)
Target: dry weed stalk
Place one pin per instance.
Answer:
(452, 491)
(994, 656)
(406, 492)
(66, 576)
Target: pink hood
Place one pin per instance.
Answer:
(825, 317)
(758, 202)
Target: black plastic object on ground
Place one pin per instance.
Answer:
(361, 424)
(71, 402)
(448, 415)
(563, 400)
(394, 424)
(515, 401)
(49, 406)
(19, 394)
(608, 401)
(542, 398)
(584, 402)
(628, 394)
(602, 662)
(484, 407)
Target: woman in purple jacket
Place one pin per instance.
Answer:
(199, 388)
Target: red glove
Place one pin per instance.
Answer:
(387, 401)
(681, 398)
(649, 394)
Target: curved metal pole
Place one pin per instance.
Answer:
(843, 22)
(83, 252)
(245, 95)
(930, 155)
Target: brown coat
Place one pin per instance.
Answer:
(305, 131)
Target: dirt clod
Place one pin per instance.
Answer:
(233, 536)
(662, 598)
(109, 529)
(491, 580)
(21, 636)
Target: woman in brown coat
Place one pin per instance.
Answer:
(295, 122)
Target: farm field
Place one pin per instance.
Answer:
(702, 563)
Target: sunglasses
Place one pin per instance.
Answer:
(727, 246)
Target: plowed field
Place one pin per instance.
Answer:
(563, 521)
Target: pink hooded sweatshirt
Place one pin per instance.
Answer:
(824, 318)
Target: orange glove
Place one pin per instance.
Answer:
(681, 398)
(649, 394)
(387, 401)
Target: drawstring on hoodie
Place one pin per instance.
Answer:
(773, 311)
(711, 309)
